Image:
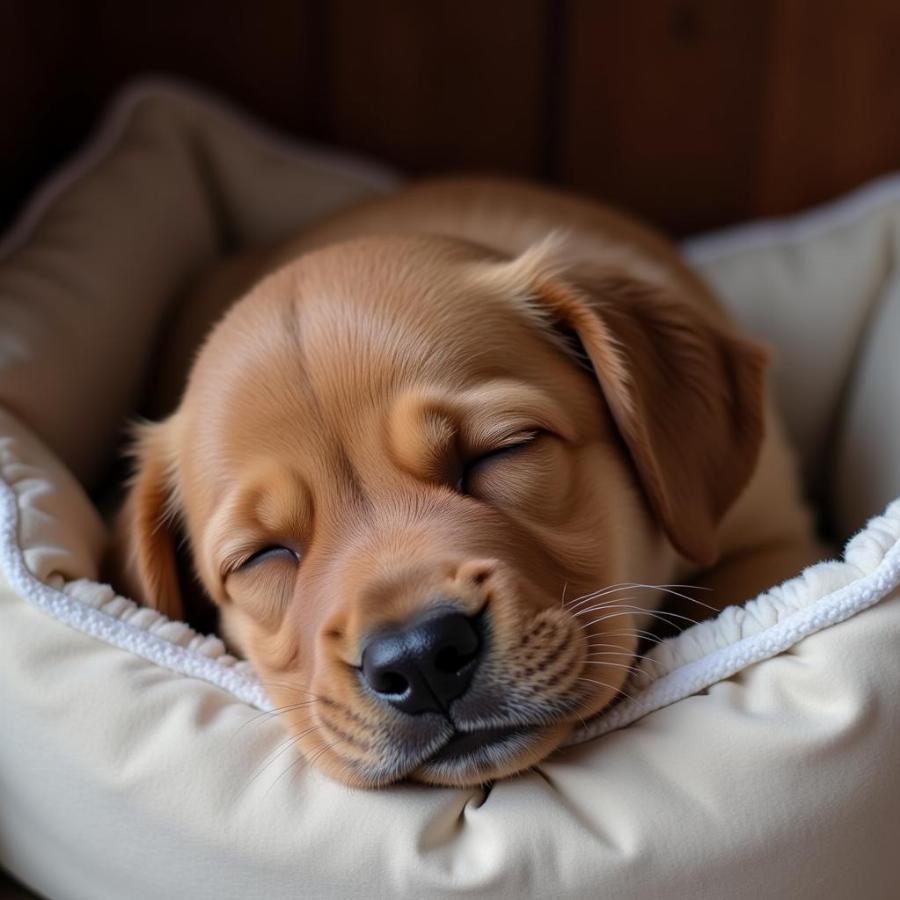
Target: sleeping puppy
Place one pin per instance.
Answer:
(428, 465)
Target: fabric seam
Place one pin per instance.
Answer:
(108, 628)
(697, 675)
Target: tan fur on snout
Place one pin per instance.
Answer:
(430, 404)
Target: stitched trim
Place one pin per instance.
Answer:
(220, 670)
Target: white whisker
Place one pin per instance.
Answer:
(609, 604)
(664, 588)
(631, 610)
(269, 713)
(600, 653)
(586, 598)
(606, 685)
(292, 741)
(639, 632)
(612, 665)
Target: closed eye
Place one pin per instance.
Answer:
(269, 553)
(515, 445)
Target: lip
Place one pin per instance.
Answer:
(463, 744)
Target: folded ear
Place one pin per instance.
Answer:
(142, 558)
(685, 391)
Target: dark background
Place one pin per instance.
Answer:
(695, 113)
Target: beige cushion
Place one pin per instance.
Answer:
(170, 181)
(759, 754)
(824, 289)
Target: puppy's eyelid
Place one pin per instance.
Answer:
(512, 443)
(247, 559)
(519, 438)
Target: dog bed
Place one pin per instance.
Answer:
(756, 755)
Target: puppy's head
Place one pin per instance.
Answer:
(398, 462)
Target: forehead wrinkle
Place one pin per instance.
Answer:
(358, 352)
(352, 479)
(359, 358)
(403, 303)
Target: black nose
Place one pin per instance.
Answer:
(425, 666)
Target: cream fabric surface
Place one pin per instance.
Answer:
(823, 288)
(134, 761)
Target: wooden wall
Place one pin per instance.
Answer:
(695, 113)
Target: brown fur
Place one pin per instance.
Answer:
(334, 408)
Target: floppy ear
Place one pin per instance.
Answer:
(142, 558)
(686, 394)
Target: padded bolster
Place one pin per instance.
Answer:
(814, 287)
(867, 462)
(170, 183)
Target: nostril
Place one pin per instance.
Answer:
(383, 669)
(390, 683)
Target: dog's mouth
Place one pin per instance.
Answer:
(464, 745)
(473, 757)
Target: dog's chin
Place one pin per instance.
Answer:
(472, 758)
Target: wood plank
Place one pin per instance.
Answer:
(833, 109)
(664, 106)
(444, 84)
(64, 61)
(37, 96)
(264, 55)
